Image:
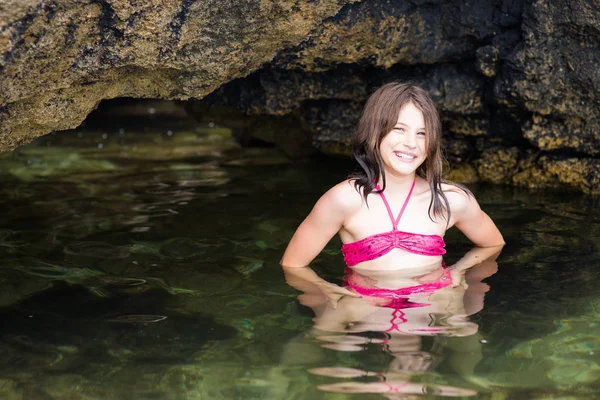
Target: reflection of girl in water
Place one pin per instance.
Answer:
(417, 323)
(391, 217)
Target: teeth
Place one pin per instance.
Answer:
(406, 156)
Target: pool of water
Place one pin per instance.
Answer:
(144, 265)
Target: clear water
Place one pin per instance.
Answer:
(144, 265)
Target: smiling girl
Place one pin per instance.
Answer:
(394, 212)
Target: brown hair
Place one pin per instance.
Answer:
(379, 117)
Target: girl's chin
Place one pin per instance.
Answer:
(401, 172)
(403, 169)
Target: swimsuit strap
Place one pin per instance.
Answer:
(397, 220)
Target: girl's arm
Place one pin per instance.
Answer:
(324, 221)
(478, 255)
(473, 257)
(470, 219)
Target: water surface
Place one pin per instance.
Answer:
(145, 265)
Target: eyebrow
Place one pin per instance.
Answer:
(402, 124)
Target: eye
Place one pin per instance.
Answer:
(399, 129)
(421, 133)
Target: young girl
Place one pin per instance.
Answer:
(393, 214)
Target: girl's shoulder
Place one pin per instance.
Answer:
(459, 198)
(345, 196)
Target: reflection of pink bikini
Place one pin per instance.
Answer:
(398, 298)
(380, 244)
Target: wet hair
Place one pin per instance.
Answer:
(379, 117)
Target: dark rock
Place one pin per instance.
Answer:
(487, 60)
(554, 73)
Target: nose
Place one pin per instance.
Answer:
(410, 141)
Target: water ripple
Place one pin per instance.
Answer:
(96, 249)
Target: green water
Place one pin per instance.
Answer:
(145, 266)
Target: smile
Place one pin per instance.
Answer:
(405, 156)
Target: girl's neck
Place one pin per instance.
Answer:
(397, 184)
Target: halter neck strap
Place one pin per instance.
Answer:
(396, 220)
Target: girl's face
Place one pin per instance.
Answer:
(404, 148)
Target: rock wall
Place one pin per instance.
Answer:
(60, 58)
(517, 81)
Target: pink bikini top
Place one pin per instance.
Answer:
(380, 244)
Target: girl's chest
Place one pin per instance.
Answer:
(376, 218)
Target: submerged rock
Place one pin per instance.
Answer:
(121, 327)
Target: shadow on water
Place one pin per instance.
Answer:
(147, 267)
